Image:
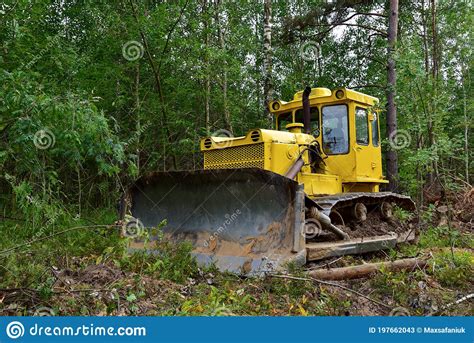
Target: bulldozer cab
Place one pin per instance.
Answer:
(345, 124)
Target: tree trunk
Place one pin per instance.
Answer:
(427, 113)
(267, 58)
(434, 40)
(466, 129)
(392, 156)
(258, 79)
(138, 121)
(425, 38)
(435, 72)
(206, 65)
(227, 123)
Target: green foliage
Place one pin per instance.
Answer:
(429, 213)
(401, 214)
(400, 286)
(166, 260)
(50, 139)
(222, 301)
(174, 262)
(454, 268)
(27, 254)
(443, 236)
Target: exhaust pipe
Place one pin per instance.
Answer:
(299, 163)
(295, 168)
(306, 110)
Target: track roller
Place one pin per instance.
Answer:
(359, 212)
(386, 210)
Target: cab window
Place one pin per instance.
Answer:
(314, 115)
(283, 120)
(362, 126)
(375, 130)
(335, 127)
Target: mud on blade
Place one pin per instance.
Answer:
(244, 220)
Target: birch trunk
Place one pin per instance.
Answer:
(220, 25)
(206, 65)
(392, 156)
(267, 58)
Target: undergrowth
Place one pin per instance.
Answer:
(109, 279)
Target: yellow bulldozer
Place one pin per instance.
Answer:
(307, 190)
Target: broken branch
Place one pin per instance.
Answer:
(355, 272)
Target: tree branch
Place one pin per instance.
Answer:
(379, 32)
(170, 31)
(156, 74)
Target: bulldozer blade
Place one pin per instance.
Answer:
(247, 221)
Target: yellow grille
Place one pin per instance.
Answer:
(244, 156)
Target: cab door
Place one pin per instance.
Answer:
(368, 156)
(368, 160)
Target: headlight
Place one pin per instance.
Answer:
(340, 94)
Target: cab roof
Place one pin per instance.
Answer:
(322, 95)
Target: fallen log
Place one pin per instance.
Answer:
(356, 272)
